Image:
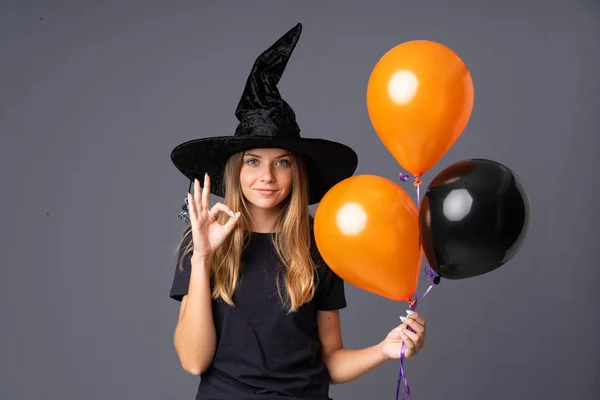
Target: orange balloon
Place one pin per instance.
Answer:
(419, 99)
(367, 231)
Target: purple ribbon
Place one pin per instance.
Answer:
(404, 177)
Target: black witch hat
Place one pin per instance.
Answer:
(267, 121)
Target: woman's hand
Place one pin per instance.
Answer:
(207, 233)
(391, 347)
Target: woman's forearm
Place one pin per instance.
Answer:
(346, 365)
(195, 336)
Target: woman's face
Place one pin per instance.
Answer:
(266, 177)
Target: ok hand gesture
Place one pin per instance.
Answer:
(207, 233)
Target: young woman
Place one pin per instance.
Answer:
(259, 314)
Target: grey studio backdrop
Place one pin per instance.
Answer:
(94, 95)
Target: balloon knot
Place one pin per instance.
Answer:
(417, 182)
(412, 304)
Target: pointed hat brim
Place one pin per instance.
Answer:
(327, 162)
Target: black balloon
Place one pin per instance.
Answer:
(473, 218)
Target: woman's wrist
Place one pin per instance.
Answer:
(201, 262)
(380, 346)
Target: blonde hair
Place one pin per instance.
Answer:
(292, 239)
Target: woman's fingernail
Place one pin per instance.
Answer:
(408, 312)
(232, 214)
(403, 319)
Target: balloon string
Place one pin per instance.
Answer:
(417, 184)
(434, 279)
(402, 376)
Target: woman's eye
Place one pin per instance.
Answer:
(284, 163)
(252, 161)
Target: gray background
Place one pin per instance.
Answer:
(94, 95)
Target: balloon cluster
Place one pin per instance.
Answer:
(473, 217)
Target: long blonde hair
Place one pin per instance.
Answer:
(292, 239)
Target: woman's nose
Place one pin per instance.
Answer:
(267, 175)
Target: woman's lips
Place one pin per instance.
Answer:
(266, 192)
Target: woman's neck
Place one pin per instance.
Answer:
(263, 220)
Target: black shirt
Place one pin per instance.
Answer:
(262, 351)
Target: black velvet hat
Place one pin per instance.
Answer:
(267, 121)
